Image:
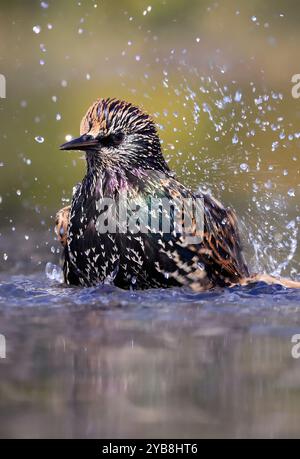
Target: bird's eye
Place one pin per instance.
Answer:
(112, 140)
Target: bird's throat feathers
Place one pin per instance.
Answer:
(106, 176)
(108, 182)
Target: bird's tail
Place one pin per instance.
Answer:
(288, 283)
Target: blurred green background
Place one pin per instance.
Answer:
(215, 75)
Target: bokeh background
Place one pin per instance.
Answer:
(216, 75)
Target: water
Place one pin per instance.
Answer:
(102, 362)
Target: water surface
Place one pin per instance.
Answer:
(102, 362)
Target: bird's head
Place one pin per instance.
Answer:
(115, 133)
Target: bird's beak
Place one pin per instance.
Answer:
(85, 142)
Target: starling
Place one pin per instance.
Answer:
(147, 246)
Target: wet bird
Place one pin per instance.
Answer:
(124, 158)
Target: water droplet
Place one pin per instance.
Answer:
(5, 256)
(291, 192)
(268, 185)
(26, 237)
(238, 96)
(253, 18)
(244, 167)
(68, 137)
(54, 273)
(39, 139)
(19, 192)
(58, 117)
(291, 224)
(36, 29)
(235, 139)
(147, 10)
(137, 58)
(44, 5)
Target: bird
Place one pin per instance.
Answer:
(124, 158)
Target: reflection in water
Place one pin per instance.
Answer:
(91, 363)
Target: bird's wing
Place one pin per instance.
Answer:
(207, 253)
(62, 220)
(61, 224)
(222, 239)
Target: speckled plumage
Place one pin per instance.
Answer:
(123, 154)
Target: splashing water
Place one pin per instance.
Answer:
(54, 273)
(39, 139)
(222, 117)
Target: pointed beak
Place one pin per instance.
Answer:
(85, 142)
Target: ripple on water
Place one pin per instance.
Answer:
(37, 290)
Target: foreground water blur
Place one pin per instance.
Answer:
(102, 362)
